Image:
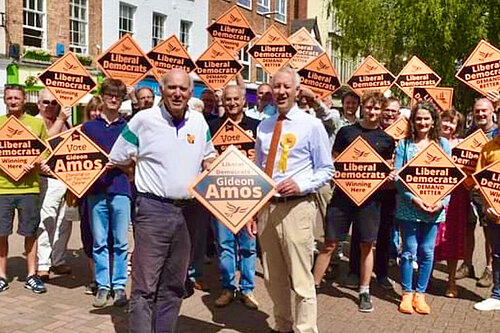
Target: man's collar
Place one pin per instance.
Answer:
(169, 115)
(118, 120)
(291, 114)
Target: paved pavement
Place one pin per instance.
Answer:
(65, 308)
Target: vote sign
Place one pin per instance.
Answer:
(488, 180)
(19, 146)
(234, 189)
(78, 162)
(55, 140)
(431, 175)
(360, 171)
(232, 134)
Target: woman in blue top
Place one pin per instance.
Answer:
(418, 221)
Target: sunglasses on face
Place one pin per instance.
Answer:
(47, 103)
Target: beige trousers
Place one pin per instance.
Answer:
(287, 241)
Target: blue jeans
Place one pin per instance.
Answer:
(229, 246)
(418, 243)
(110, 214)
(494, 229)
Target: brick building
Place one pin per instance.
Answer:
(38, 31)
(261, 14)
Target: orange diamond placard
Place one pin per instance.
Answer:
(466, 153)
(170, 54)
(360, 171)
(308, 48)
(234, 190)
(67, 80)
(481, 71)
(440, 97)
(78, 162)
(125, 60)
(216, 66)
(320, 76)
(232, 134)
(370, 75)
(431, 175)
(272, 50)
(398, 129)
(416, 74)
(55, 140)
(488, 180)
(232, 30)
(19, 146)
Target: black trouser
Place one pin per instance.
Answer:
(387, 209)
(159, 267)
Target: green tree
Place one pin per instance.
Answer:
(441, 32)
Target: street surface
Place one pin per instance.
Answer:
(65, 308)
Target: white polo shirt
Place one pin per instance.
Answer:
(169, 157)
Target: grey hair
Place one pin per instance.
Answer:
(43, 91)
(163, 78)
(290, 71)
(241, 91)
(145, 88)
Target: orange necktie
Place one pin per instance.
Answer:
(274, 146)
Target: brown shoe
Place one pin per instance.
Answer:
(226, 297)
(405, 306)
(486, 279)
(44, 275)
(200, 285)
(420, 305)
(61, 269)
(451, 290)
(464, 271)
(250, 301)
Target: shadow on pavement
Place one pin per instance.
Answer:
(119, 317)
(189, 325)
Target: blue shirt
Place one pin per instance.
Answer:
(406, 210)
(114, 181)
(309, 162)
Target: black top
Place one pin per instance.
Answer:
(249, 125)
(377, 138)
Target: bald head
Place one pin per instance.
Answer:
(233, 100)
(176, 89)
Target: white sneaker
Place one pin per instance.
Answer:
(488, 305)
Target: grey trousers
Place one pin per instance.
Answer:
(159, 266)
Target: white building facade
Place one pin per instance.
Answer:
(150, 21)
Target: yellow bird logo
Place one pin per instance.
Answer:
(370, 68)
(476, 144)
(125, 48)
(359, 153)
(68, 67)
(431, 158)
(322, 66)
(273, 38)
(217, 54)
(232, 209)
(13, 132)
(190, 138)
(172, 48)
(484, 55)
(233, 19)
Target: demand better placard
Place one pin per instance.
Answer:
(431, 175)
(360, 171)
(19, 146)
(234, 190)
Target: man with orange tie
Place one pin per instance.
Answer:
(293, 148)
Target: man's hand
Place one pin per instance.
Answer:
(494, 97)
(392, 176)
(44, 167)
(251, 227)
(288, 187)
(131, 95)
(207, 163)
(65, 113)
(109, 166)
(492, 214)
(28, 167)
(307, 93)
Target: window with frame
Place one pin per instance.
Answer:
(185, 33)
(260, 74)
(158, 28)
(281, 9)
(245, 3)
(34, 23)
(126, 19)
(245, 62)
(263, 6)
(78, 23)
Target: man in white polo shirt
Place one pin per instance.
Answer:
(171, 145)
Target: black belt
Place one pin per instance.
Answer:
(175, 202)
(290, 198)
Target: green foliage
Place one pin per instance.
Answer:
(440, 32)
(30, 81)
(85, 60)
(36, 54)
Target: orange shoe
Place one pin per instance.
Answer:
(420, 305)
(406, 303)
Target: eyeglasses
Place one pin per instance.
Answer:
(52, 102)
(111, 96)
